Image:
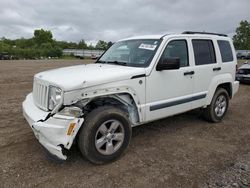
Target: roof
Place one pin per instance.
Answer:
(199, 34)
(143, 37)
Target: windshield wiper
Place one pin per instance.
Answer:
(117, 63)
(112, 62)
(99, 61)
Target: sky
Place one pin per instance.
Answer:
(111, 20)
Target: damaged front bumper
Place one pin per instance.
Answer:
(55, 133)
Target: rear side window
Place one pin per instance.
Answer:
(225, 50)
(203, 52)
(177, 49)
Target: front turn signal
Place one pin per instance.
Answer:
(71, 128)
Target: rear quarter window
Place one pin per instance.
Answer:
(225, 51)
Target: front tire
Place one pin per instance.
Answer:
(105, 134)
(216, 111)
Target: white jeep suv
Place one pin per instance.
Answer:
(137, 80)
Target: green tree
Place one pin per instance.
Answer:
(54, 52)
(24, 43)
(82, 44)
(110, 44)
(42, 36)
(4, 47)
(242, 38)
(8, 41)
(71, 45)
(62, 44)
(47, 46)
(101, 45)
(91, 47)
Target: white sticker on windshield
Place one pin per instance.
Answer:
(147, 46)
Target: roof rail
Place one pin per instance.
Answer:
(164, 36)
(204, 33)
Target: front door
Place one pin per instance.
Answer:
(170, 91)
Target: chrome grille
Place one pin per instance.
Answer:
(40, 94)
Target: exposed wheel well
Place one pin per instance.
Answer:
(227, 87)
(123, 101)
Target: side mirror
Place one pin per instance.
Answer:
(168, 64)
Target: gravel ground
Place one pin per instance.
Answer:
(179, 151)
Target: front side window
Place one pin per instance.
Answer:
(225, 50)
(177, 49)
(136, 53)
(203, 52)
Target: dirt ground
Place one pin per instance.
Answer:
(180, 151)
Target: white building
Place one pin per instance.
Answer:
(243, 52)
(83, 53)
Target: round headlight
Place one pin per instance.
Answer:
(55, 96)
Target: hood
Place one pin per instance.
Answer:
(80, 76)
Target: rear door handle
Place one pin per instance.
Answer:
(217, 69)
(188, 73)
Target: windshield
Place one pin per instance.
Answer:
(137, 53)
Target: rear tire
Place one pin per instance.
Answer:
(105, 134)
(216, 111)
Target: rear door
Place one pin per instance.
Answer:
(206, 67)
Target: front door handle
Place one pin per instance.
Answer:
(217, 69)
(188, 73)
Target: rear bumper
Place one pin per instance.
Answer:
(52, 132)
(235, 87)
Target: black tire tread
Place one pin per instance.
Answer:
(87, 127)
(208, 113)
